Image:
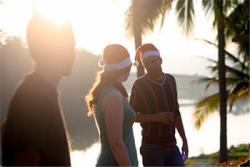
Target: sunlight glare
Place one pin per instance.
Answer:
(58, 11)
(88, 157)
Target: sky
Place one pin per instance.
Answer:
(97, 23)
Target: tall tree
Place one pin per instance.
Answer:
(185, 11)
(237, 70)
(137, 32)
(237, 78)
(222, 81)
(141, 17)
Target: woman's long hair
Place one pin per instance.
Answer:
(102, 78)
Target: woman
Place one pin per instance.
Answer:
(107, 100)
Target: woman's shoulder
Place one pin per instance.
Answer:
(107, 89)
(108, 92)
(112, 95)
(112, 99)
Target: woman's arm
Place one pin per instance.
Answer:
(113, 107)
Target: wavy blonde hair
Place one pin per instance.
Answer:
(102, 78)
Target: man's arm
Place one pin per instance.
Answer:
(181, 131)
(178, 122)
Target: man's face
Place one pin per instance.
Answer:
(51, 46)
(152, 64)
(66, 59)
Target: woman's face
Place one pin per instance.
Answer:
(125, 75)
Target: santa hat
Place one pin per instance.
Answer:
(115, 57)
(146, 50)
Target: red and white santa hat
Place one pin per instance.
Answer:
(115, 57)
(146, 50)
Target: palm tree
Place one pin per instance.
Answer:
(141, 18)
(185, 12)
(236, 22)
(222, 80)
(220, 8)
(237, 78)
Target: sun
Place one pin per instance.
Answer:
(58, 11)
(95, 22)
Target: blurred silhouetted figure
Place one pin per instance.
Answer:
(34, 132)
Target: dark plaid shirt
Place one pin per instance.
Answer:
(149, 97)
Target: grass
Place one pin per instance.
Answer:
(236, 156)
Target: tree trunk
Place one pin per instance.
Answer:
(222, 85)
(137, 34)
(138, 42)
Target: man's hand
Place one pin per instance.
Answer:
(185, 149)
(164, 117)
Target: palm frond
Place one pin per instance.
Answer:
(155, 10)
(243, 65)
(143, 15)
(129, 25)
(237, 73)
(204, 107)
(230, 71)
(207, 6)
(208, 80)
(240, 88)
(207, 105)
(235, 20)
(228, 4)
(228, 54)
(185, 14)
(240, 91)
(232, 81)
(245, 94)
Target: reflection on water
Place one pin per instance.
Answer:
(205, 140)
(85, 158)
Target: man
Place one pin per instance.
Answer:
(154, 98)
(34, 132)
